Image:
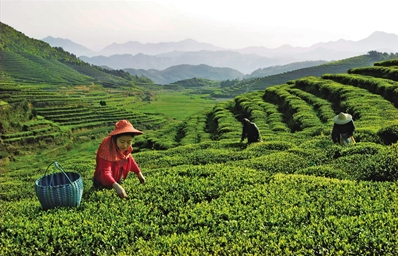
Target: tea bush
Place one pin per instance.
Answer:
(380, 166)
(365, 148)
(389, 134)
(213, 209)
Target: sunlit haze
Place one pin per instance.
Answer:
(227, 24)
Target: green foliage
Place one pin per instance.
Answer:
(370, 111)
(295, 193)
(210, 210)
(384, 87)
(177, 105)
(30, 61)
(297, 113)
(324, 171)
(376, 71)
(389, 134)
(387, 63)
(269, 71)
(197, 82)
(37, 69)
(334, 67)
(366, 148)
(380, 166)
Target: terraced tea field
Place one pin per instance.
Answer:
(76, 115)
(305, 108)
(295, 193)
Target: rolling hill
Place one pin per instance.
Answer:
(273, 75)
(182, 72)
(30, 61)
(333, 67)
(274, 70)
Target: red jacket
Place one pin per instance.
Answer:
(108, 172)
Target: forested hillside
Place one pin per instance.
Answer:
(274, 70)
(181, 72)
(30, 61)
(333, 67)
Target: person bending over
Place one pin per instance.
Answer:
(114, 160)
(251, 131)
(343, 129)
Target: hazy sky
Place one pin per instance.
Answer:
(224, 23)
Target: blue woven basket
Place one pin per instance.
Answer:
(59, 189)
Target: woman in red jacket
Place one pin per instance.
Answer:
(114, 160)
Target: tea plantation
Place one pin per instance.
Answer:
(294, 193)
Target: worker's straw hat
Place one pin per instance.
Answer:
(342, 118)
(124, 126)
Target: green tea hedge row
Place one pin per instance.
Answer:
(388, 89)
(322, 107)
(248, 106)
(297, 113)
(28, 133)
(387, 63)
(194, 130)
(224, 121)
(389, 134)
(370, 111)
(274, 118)
(377, 71)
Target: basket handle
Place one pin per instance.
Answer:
(59, 167)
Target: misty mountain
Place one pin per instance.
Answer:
(284, 68)
(377, 41)
(68, 46)
(246, 60)
(133, 48)
(182, 72)
(244, 63)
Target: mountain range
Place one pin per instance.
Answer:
(184, 71)
(29, 60)
(25, 60)
(160, 56)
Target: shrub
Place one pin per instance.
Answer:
(362, 148)
(366, 136)
(381, 166)
(279, 162)
(324, 171)
(389, 134)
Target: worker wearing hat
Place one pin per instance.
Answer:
(114, 160)
(343, 129)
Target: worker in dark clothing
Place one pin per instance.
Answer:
(251, 131)
(343, 129)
